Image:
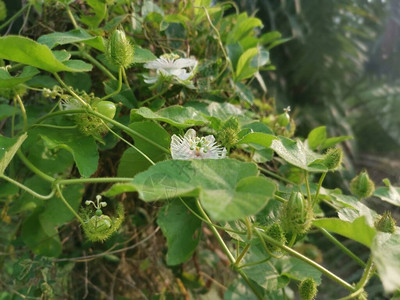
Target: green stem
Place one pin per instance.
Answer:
(93, 180)
(97, 64)
(207, 222)
(272, 174)
(155, 96)
(342, 247)
(34, 169)
(368, 272)
(240, 257)
(128, 130)
(15, 16)
(255, 263)
(25, 188)
(21, 105)
(310, 202)
(83, 102)
(54, 126)
(67, 204)
(104, 118)
(71, 16)
(131, 145)
(125, 78)
(296, 254)
(227, 251)
(321, 179)
(292, 240)
(119, 86)
(279, 198)
(264, 245)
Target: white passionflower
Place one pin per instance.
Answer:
(192, 147)
(171, 66)
(71, 103)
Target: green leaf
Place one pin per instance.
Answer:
(242, 28)
(142, 55)
(8, 148)
(8, 81)
(178, 116)
(258, 138)
(224, 186)
(7, 111)
(56, 213)
(74, 36)
(119, 188)
(244, 69)
(389, 194)
(41, 237)
(358, 230)
(298, 154)
(29, 52)
(96, 14)
(221, 111)
(244, 92)
(330, 142)
(125, 96)
(386, 257)
(132, 162)
(316, 137)
(83, 148)
(276, 273)
(181, 228)
(239, 290)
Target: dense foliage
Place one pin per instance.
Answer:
(142, 157)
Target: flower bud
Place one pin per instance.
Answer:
(362, 186)
(333, 158)
(106, 108)
(3, 10)
(275, 231)
(296, 214)
(119, 50)
(228, 135)
(308, 289)
(284, 118)
(87, 202)
(386, 223)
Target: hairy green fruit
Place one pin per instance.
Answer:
(308, 289)
(362, 186)
(119, 50)
(228, 136)
(333, 158)
(275, 231)
(386, 223)
(106, 108)
(296, 214)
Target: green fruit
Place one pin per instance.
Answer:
(308, 289)
(106, 108)
(99, 212)
(284, 119)
(362, 186)
(119, 50)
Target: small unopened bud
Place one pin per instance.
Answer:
(103, 204)
(284, 118)
(308, 289)
(3, 10)
(275, 231)
(386, 223)
(333, 158)
(119, 49)
(296, 214)
(228, 135)
(362, 186)
(87, 202)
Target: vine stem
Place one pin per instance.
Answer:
(155, 96)
(207, 222)
(21, 105)
(321, 180)
(71, 17)
(276, 176)
(125, 78)
(15, 16)
(342, 247)
(93, 180)
(118, 88)
(83, 102)
(67, 204)
(308, 190)
(97, 64)
(298, 255)
(25, 188)
(227, 251)
(104, 118)
(33, 168)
